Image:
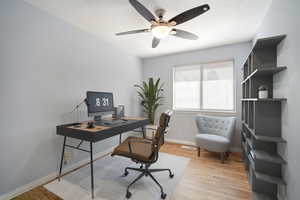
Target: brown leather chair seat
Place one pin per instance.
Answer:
(140, 151)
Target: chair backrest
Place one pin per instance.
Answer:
(163, 124)
(222, 126)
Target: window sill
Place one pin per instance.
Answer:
(231, 112)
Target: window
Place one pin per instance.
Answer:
(204, 87)
(187, 87)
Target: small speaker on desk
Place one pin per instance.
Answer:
(119, 112)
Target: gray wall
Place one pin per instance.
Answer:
(283, 18)
(46, 66)
(183, 126)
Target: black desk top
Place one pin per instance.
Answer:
(100, 132)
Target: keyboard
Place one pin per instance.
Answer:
(111, 122)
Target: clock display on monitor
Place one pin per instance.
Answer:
(99, 102)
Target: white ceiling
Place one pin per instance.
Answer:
(227, 22)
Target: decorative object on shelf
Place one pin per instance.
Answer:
(151, 97)
(263, 92)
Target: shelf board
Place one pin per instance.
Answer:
(270, 139)
(265, 177)
(264, 138)
(244, 145)
(244, 135)
(264, 100)
(268, 178)
(252, 131)
(261, 196)
(249, 142)
(265, 156)
(268, 42)
(251, 161)
(263, 72)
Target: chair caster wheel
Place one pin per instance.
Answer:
(171, 175)
(128, 195)
(163, 195)
(125, 173)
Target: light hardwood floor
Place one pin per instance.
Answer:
(205, 178)
(39, 193)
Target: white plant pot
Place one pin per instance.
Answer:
(263, 94)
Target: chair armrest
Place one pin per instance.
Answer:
(155, 127)
(151, 127)
(140, 141)
(167, 131)
(144, 141)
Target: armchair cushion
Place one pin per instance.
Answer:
(140, 151)
(222, 126)
(211, 142)
(215, 133)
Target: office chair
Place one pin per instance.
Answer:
(145, 152)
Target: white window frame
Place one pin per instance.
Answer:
(201, 89)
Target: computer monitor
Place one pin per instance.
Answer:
(99, 103)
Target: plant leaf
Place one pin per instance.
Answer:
(151, 96)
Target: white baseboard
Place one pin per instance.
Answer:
(232, 149)
(180, 141)
(49, 177)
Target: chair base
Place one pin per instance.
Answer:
(145, 171)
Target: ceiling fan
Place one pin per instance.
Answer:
(161, 28)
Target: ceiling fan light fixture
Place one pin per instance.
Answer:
(161, 31)
(161, 28)
(173, 32)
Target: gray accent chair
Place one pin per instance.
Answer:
(215, 134)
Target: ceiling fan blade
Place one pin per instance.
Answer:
(155, 42)
(190, 14)
(133, 32)
(185, 34)
(142, 10)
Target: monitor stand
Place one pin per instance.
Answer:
(103, 122)
(98, 120)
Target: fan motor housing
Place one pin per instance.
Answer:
(160, 12)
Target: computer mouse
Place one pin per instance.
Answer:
(90, 125)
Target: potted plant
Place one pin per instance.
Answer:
(263, 92)
(151, 97)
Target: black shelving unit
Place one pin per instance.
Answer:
(261, 120)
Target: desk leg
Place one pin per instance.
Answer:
(92, 169)
(144, 132)
(62, 158)
(120, 139)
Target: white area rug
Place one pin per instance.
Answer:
(110, 185)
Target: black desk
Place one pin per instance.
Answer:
(94, 135)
